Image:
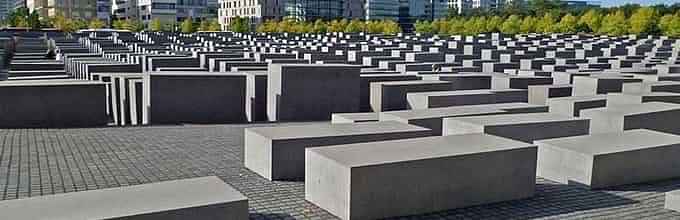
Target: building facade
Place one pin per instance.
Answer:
(463, 6)
(382, 9)
(6, 6)
(82, 9)
(256, 11)
(104, 10)
(163, 10)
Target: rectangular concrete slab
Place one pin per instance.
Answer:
(673, 200)
(355, 117)
(521, 127)
(657, 116)
(309, 92)
(420, 175)
(432, 118)
(610, 159)
(197, 198)
(573, 105)
(391, 96)
(277, 153)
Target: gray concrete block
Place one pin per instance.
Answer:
(423, 100)
(504, 81)
(540, 94)
(573, 105)
(610, 159)
(365, 87)
(638, 98)
(647, 87)
(432, 118)
(277, 153)
(391, 96)
(593, 85)
(464, 81)
(202, 97)
(197, 198)
(658, 116)
(376, 180)
(52, 103)
(256, 96)
(355, 117)
(521, 127)
(672, 200)
(308, 92)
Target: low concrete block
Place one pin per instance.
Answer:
(355, 117)
(197, 198)
(52, 103)
(365, 87)
(432, 118)
(423, 100)
(673, 200)
(593, 85)
(391, 96)
(376, 180)
(573, 105)
(638, 98)
(657, 116)
(610, 159)
(277, 153)
(540, 94)
(521, 127)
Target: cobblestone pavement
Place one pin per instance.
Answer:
(36, 162)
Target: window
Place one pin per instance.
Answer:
(163, 6)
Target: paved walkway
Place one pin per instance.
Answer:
(36, 162)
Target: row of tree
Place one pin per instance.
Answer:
(21, 18)
(643, 20)
(388, 27)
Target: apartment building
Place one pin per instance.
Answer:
(82, 9)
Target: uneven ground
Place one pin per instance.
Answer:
(36, 162)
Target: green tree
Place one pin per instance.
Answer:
(568, 24)
(390, 27)
(354, 26)
(121, 24)
(441, 26)
(643, 21)
(239, 25)
(96, 24)
(528, 25)
(614, 24)
(135, 25)
(214, 25)
(591, 19)
(374, 27)
(337, 26)
(665, 23)
(456, 26)
(423, 27)
(204, 25)
(34, 20)
(511, 25)
(187, 26)
(494, 24)
(155, 25)
(320, 26)
(546, 24)
(269, 26)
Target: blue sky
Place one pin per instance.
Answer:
(607, 3)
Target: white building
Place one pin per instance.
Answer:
(255, 10)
